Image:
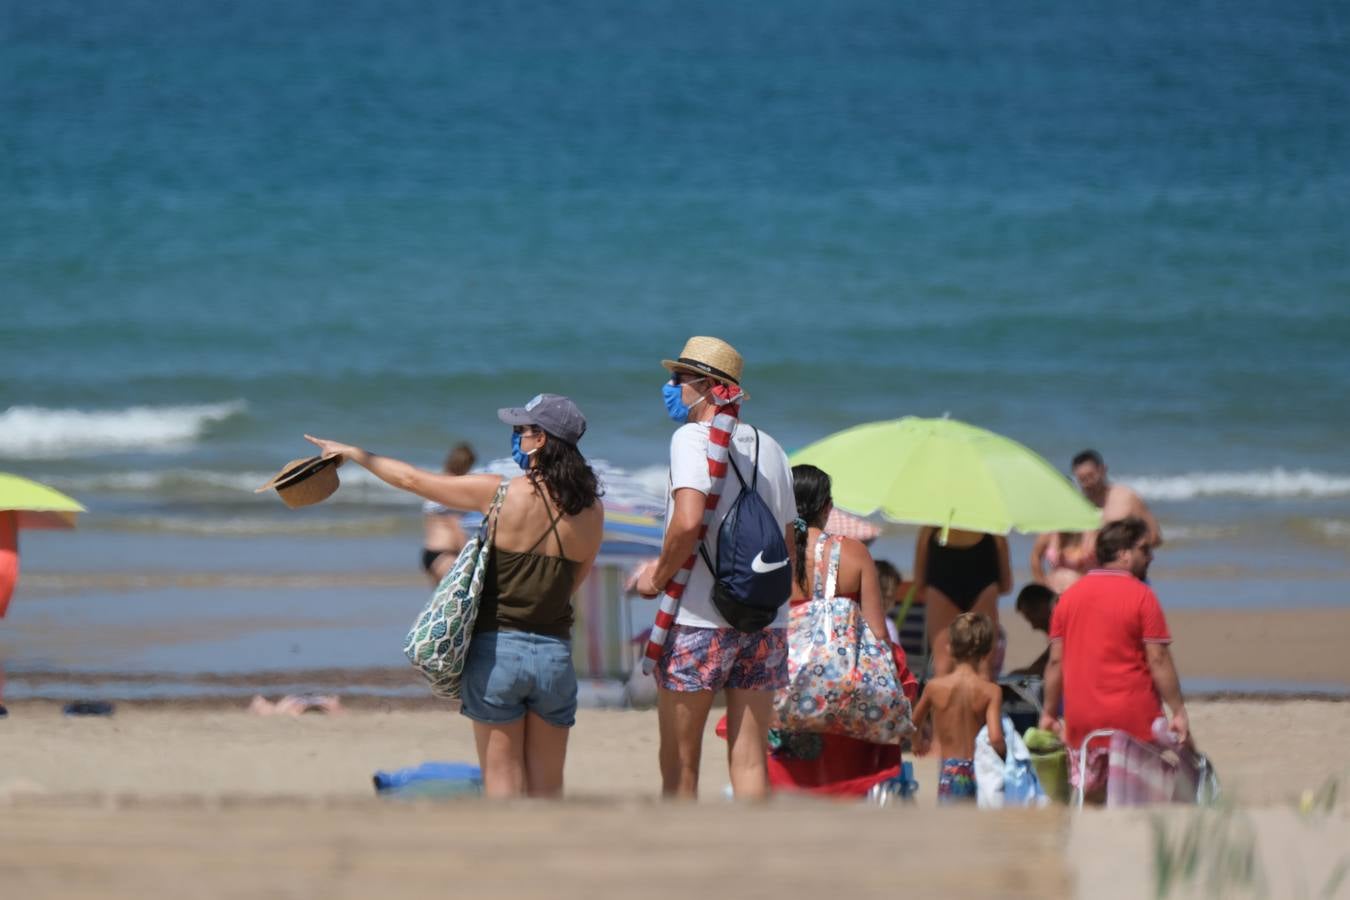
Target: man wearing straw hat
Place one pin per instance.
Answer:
(694, 650)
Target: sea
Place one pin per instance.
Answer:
(224, 225)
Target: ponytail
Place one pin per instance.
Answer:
(799, 527)
(811, 488)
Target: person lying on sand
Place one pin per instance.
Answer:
(296, 705)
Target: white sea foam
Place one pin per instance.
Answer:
(1270, 484)
(358, 485)
(1198, 532)
(643, 489)
(254, 526)
(1334, 529)
(35, 432)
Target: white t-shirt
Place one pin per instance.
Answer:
(689, 469)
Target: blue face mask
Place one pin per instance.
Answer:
(672, 394)
(520, 456)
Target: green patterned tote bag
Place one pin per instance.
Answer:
(438, 643)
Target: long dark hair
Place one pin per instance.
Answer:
(562, 471)
(811, 487)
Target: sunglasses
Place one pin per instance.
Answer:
(685, 378)
(522, 429)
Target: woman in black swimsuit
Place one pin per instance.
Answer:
(968, 573)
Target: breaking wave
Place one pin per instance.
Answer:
(1271, 484)
(35, 432)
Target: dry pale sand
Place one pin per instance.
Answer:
(190, 801)
(1293, 645)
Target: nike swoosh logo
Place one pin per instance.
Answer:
(759, 565)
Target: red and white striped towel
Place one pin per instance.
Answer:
(723, 426)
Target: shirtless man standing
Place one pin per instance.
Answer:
(1116, 501)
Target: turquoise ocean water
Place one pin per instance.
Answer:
(1123, 226)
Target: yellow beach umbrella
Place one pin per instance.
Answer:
(37, 505)
(947, 474)
(27, 504)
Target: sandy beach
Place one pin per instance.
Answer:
(1240, 646)
(206, 799)
(226, 226)
(1218, 651)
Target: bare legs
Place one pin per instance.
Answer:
(942, 612)
(748, 715)
(683, 716)
(524, 757)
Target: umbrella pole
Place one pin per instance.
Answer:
(947, 528)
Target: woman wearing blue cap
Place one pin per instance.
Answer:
(519, 685)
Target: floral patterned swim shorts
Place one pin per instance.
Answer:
(709, 659)
(956, 781)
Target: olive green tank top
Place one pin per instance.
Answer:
(527, 591)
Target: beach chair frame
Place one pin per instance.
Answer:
(1079, 791)
(1206, 785)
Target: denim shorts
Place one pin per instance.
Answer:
(510, 673)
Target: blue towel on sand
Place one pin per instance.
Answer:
(430, 779)
(88, 708)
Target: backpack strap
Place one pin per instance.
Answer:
(754, 475)
(754, 482)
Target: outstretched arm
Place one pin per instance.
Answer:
(466, 492)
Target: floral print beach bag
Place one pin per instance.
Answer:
(842, 679)
(438, 643)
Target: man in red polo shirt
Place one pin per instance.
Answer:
(1109, 653)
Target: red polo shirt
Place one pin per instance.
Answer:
(1103, 621)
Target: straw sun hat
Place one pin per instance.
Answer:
(708, 356)
(304, 482)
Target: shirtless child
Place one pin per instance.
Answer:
(960, 703)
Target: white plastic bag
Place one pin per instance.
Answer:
(1001, 782)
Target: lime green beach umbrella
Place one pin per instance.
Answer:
(26, 504)
(37, 505)
(947, 474)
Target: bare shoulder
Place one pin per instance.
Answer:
(940, 686)
(594, 514)
(993, 692)
(518, 491)
(854, 551)
(1121, 502)
(1125, 496)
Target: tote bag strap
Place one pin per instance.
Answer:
(493, 514)
(831, 569)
